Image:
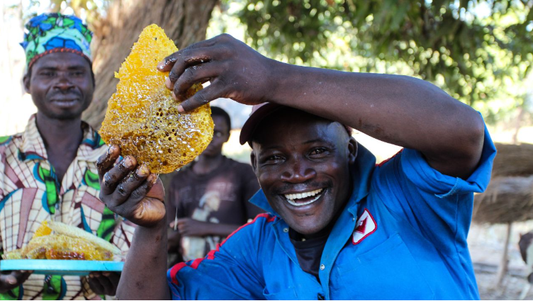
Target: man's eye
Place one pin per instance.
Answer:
(318, 152)
(218, 134)
(77, 73)
(273, 159)
(47, 73)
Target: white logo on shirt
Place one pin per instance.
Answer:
(364, 227)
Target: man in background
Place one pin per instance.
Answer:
(208, 199)
(48, 172)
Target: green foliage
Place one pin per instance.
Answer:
(90, 10)
(478, 51)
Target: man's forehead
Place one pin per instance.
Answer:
(293, 118)
(306, 130)
(69, 60)
(279, 118)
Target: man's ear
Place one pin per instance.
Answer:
(26, 82)
(252, 159)
(353, 148)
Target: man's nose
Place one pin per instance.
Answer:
(298, 170)
(63, 81)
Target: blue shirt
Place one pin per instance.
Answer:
(402, 235)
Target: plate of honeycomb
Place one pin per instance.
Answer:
(61, 266)
(142, 116)
(60, 249)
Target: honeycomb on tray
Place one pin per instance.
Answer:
(142, 116)
(63, 247)
(56, 240)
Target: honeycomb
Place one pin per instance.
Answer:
(43, 230)
(63, 247)
(142, 116)
(56, 240)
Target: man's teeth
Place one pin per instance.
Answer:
(291, 198)
(303, 195)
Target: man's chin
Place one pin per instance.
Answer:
(67, 117)
(62, 116)
(307, 226)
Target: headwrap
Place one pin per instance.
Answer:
(54, 32)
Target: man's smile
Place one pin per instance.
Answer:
(303, 198)
(65, 99)
(65, 102)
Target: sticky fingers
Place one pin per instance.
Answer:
(117, 174)
(107, 160)
(142, 208)
(167, 64)
(104, 164)
(128, 183)
(202, 97)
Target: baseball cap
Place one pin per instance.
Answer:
(258, 114)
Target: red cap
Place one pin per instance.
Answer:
(260, 112)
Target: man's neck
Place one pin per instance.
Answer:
(59, 134)
(206, 164)
(61, 139)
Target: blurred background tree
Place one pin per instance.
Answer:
(479, 51)
(475, 50)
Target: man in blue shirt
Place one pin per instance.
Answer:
(339, 226)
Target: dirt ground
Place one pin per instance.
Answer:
(486, 244)
(511, 289)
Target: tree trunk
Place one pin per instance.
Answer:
(185, 22)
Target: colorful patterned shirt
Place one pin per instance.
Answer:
(30, 193)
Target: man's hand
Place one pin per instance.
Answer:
(191, 227)
(234, 70)
(130, 190)
(104, 283)
(11, 279)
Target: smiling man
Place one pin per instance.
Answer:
(48, 172)
(339, 226)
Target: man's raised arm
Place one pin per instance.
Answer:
(397, 109)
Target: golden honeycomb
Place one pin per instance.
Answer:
(63, 247)
(142, 116)
(43, 230)
(55, 240)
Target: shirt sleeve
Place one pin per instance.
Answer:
(435, 205)
(418, 171)
(229, 272)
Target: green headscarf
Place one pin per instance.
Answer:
(54, 32)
